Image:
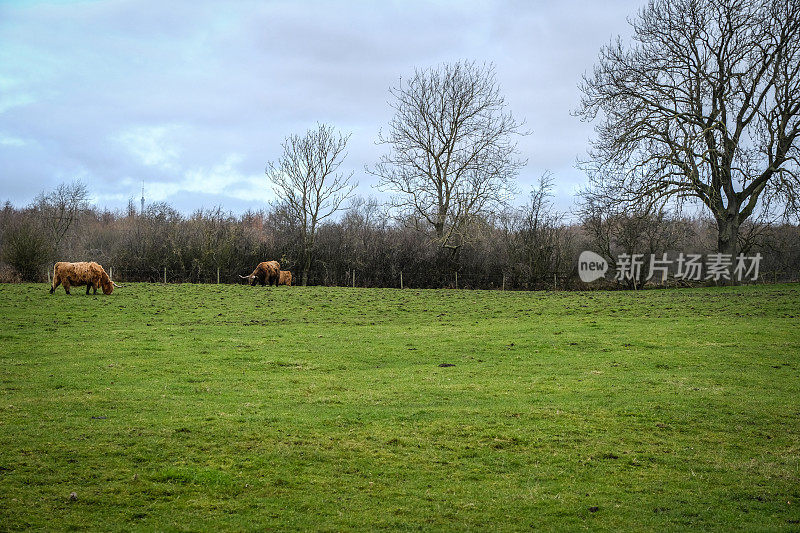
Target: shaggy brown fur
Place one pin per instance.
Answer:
(286, 278)
(266, 273)
(90, 274)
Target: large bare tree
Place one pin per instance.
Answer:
(704, 104)
(452, 152)
(60, 208)
(307, 180)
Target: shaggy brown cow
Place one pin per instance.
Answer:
(265, 273)
(90, 274)
(286, 278)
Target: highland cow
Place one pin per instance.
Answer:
(77, 274)
(285, 278)
(266, 273)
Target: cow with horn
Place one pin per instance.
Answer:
(90, 274)
(266, 273)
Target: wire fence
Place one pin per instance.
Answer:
(354, 278)
(412, 280)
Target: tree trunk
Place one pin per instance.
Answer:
(306, 267)
(308, 251)
(439, 228)
(727, 238)
(728, 234)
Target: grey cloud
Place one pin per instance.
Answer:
(226, 82)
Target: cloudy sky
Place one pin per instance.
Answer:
(194, 98)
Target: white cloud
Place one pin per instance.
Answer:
(7, 140)
(152, 145)
(224, 180)
(10, 101)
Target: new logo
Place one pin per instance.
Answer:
(591, 266)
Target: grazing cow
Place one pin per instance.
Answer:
(90, 274)
(266, 273)
(286, 278)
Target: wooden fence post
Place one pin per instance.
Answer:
(217, 275)
(504, 281)
(401, 279)
(354, 278)
(456, 279)
(165, 275)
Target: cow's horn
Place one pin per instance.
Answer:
(243, 277)
(115, 284)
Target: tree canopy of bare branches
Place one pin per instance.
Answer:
(452, 153)
(307, 180)
(59, 209)
(704, 105)
(538, 243)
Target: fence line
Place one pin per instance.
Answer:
(404, 280)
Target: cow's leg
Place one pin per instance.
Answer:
(66, 286)
(88, 288)
(56, 283)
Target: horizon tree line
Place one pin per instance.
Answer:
(532, 246)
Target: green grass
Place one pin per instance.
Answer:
(202, 407)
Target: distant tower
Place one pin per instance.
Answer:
(142, 211)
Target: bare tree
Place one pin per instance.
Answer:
(452, 157)
(537, 235)
(307, 180)
(704, 105)
(59, 209)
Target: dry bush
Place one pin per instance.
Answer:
(9, 274)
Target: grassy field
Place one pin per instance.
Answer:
(203, 407)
